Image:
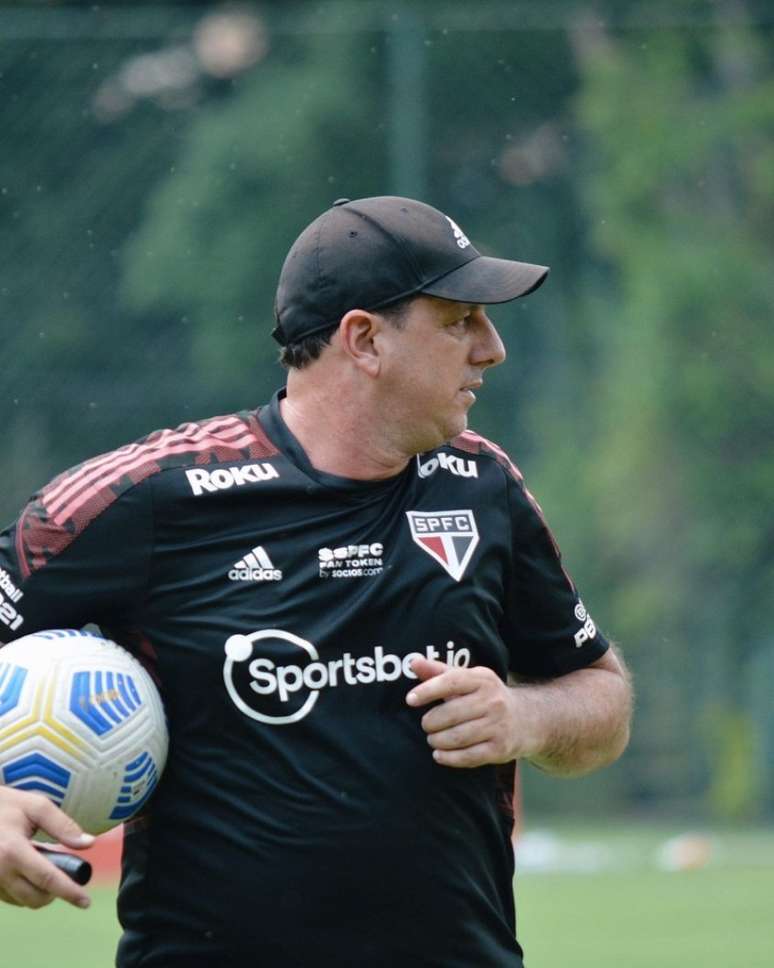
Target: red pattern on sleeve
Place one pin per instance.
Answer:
(473, 443)
(66, 506)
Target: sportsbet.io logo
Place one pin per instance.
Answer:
(277, 677)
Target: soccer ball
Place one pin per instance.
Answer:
(81, 721)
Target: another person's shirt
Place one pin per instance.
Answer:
(301, 816)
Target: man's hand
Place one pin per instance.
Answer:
(568, 726)
(27, 879)
(476, 720)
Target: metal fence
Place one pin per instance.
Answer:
(157, 160)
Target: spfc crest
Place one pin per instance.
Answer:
(448, 536)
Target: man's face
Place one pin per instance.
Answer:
(432, 367)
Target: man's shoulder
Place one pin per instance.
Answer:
(61, 510)
(470, 442)
(228, 437)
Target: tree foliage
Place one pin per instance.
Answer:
(628, 146)
(677, 127)
(253, 167)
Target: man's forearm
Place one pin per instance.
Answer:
(568, 726)
(577, 723)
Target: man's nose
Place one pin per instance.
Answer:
(490, 350)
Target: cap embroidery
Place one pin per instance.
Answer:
(462, 240)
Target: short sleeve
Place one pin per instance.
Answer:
(65, 571)
(546, 626)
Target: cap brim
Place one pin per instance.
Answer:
(487, 280)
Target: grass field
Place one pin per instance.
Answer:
(625, 914)
(638, 920)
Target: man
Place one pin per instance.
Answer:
(332, 592)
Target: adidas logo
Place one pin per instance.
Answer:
(255, 566)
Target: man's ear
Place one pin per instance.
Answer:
(357, 334)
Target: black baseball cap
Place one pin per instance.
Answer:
(368, 253)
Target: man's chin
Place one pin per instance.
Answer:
(458, 427)
(433, 439)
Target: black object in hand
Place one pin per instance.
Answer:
(75, 867)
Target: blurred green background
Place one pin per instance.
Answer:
(157, 160)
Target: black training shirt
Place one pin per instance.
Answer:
(301, 821)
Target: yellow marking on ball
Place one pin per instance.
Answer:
(41, 722)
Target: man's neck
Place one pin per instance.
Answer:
(337, 431)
